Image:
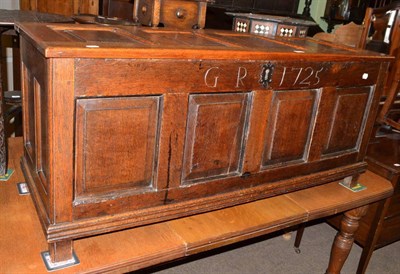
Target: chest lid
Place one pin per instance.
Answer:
(93, 41)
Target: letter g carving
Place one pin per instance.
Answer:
(213, 82)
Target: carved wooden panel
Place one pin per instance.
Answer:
(348, 119)
(290, 124)
(215, 135)
(105, 35)
(116, 144)
(41, 137)
(28, 97)
(36, 133)
(36, 105)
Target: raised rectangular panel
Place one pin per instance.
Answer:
(348, 119)
(36, 130)
(41, 137)
(97, 36)
(116, 144)
(29, 128)
(290, 125)
(215, 136)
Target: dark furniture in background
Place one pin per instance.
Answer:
(61, 7)
(270, 25)
(216, 17)
(123, 9)
(381, 33)
(344, 11)
(256, 6)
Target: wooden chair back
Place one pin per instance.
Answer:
(386, 116)
(381, 33)
(349, 35)
(381, 30)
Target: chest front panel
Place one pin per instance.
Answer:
(173, 138)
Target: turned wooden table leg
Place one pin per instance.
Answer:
(344, 239)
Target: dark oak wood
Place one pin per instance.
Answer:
(123, 9)
(184, 14)
(133, 249)
(141, 125)
(62, 7)
(95, 168)
(205, 155)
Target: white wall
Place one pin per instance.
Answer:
(9, 4)
(317, 11)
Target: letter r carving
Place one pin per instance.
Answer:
(242, 73)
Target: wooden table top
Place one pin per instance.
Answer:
(22, 239)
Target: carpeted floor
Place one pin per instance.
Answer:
(275, 255)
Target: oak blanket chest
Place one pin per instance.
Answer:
(130, 126)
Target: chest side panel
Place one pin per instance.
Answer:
(36, 115)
